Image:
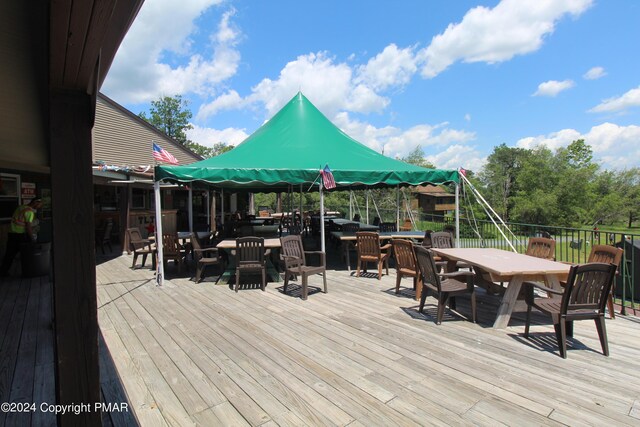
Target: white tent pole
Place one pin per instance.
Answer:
(208, 211)
(321, 218)
(398, 207)
(301, 205)
(366, 193)
(190, 208)
(159, 262)
(222, 206)
(214, 213)
(350, 204)
(457, 215)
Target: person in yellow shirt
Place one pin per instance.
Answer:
(20, 231)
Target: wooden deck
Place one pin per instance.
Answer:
(26, 350)
(201, 354)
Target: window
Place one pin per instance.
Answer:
(138, 198)
(9, 195)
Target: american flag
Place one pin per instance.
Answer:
(327, 178)
(163, 155)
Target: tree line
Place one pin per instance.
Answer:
(563, 187)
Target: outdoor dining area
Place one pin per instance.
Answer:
(322, 318)
(402, 349)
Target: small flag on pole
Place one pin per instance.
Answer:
(327, 178)
(163, 155)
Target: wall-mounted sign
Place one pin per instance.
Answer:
(28, 191)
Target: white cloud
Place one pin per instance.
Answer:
(621, 103)
(398, 142)
(552, 141)
(329, 85)
(467, 117)
(614, 146)
(140, 72)
(456, 156)
(209, 136)
(227, 101)
(391, 67)
(553, 87)
(513, 27)
(594, 73)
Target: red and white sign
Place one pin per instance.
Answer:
(28, 191)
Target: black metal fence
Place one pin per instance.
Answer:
(572, 244)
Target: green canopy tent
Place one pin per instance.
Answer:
(290, 150)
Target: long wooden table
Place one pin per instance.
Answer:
(511, 267)
(348, 237)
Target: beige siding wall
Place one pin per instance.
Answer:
(121, 139)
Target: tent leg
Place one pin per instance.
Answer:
(190, 207)
(457, 215)
(322, 248)
(366, 193)
(159, 263)
(398, 207)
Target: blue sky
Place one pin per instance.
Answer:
(455, 78)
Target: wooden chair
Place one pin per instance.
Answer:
(541, 247)
(445, 289)
(426, 241)
(388, 227)
(444, 240)
(369, 250)
(584, 297)
(204, 256)
(407, 225)
(250, 258)
(406, 265)
(140, 246)
(103, 236)
(608, 255)
(172, 249)
(295, 263)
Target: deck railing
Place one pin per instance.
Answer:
(572, 244)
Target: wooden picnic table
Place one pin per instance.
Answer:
(507, 266)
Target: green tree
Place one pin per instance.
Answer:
(416, 157)
(499, 177)
(171, 115)
(206, 152)
(628, 188)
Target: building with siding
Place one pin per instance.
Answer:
(433, 201)
(123, 170)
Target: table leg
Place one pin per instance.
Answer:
(348, 249)
(508, 303)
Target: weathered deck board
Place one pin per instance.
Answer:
(26, 350)
(359, 355)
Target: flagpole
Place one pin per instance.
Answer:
(159, 245)
(322, 248)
